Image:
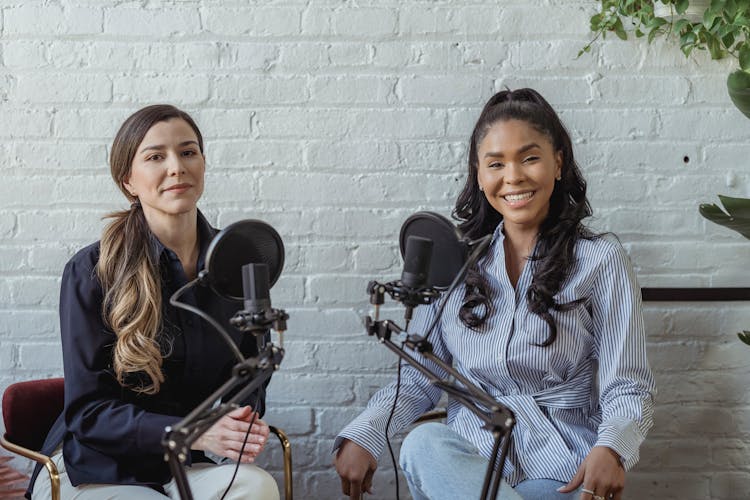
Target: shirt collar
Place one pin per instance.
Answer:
(205, 234)
(498, 235)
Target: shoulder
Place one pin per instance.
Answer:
(82, 266)
(601, 251)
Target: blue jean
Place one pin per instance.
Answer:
(440, 464)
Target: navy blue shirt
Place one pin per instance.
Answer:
(111, 434)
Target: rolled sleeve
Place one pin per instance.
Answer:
(626, 384)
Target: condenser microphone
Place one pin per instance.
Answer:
(256, 288)
(417, 259)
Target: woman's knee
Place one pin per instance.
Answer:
(257, 482)
(423, 441)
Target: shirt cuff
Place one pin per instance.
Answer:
(151, 430)
(362, 431)
(624, 437)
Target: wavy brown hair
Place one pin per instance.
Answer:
(554, 254)
(128, 267)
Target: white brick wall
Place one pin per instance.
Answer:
(334, 121)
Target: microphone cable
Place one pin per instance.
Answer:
(244, 442)
(235, 350)
(481, 246)
(182, 305)
(388, 424)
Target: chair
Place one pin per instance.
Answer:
(439, 414)
(30, 408)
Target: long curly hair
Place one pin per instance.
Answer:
(128, 267)
(553, 256)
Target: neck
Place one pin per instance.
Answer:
(518, 244)
(179, 233)
(520, 240)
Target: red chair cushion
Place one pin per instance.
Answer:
(30, 409)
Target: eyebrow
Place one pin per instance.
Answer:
(162, 146)
(522, 150)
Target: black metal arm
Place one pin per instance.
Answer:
(498, 419)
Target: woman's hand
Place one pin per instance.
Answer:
(226, 436)
(355, 466)
(601, 474)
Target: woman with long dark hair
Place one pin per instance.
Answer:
(135, 365)
(548, 322)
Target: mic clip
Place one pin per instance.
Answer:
(260, 322)
(407, 295)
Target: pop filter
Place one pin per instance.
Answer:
(243, 242)
(449, 252)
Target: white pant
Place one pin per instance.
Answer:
(207, 482)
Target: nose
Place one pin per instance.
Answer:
(513, 173)
(175, 166)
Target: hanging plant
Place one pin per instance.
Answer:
(723, 31)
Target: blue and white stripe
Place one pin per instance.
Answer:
(592, 387)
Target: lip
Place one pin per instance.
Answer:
(518, 203)
(178, 188)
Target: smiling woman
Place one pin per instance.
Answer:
(548, 322)
(133, 364)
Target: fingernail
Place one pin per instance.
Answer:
(560, 488)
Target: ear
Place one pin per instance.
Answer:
(128, 187)
(559, 163)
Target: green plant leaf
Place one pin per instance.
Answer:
(710, 17)
(744, 56)
(620, 30)
(680, 24)
(744, 336)
(728, 40)
(656, 22)
(736, 217)
(714, 47)
(681, 6)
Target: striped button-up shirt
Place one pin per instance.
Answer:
(591, 387)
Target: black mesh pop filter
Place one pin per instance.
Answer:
(243, 242)
(448, 250)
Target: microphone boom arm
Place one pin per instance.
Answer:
(178, 439)
(498, 419)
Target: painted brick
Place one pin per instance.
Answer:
(52, 20)
(44, 357)
(162, 88)
(259, 90)
(253, 21)
(135, 22)
(357, 90)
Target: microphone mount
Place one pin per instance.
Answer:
(409, 296)
(498, 419)
(257, 249)
(258, 323)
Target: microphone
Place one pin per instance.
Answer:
(256, 288)
(417, 257)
